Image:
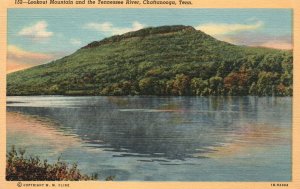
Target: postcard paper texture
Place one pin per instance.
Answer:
(149, 94)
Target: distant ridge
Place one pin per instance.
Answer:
(141, 33)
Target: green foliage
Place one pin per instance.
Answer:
(146, 85)
(181, 85)
(18, 168)
(167, 60)
(199, 87)
(216, 85)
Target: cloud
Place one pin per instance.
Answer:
(108, 27)
(75, 42)
(16, 66)
(222, 28)
(243, 34)
(258, 39)
(277, 45)
(16, 53)
(18, 58)
(37, 31)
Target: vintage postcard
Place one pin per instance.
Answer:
(149, 94)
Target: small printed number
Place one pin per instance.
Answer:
(278, 184)
(18, 2)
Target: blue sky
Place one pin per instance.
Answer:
(36, 36)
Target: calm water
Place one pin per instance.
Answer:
(158, 138)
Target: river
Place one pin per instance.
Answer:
(136, 138)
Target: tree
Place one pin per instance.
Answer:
(237, 83)
(146, 85)
(198, 86)
(267, 82)
(181, 85)
(216, 85)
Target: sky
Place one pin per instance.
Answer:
(37, 36)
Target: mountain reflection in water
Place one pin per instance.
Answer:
(166, 129)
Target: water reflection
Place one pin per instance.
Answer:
(170, 128)
(38, 130)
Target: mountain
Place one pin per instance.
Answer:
(166, 60)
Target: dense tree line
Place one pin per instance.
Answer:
(261, 81)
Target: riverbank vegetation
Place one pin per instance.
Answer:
(22, 168)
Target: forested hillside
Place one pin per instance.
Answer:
(166, 60)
